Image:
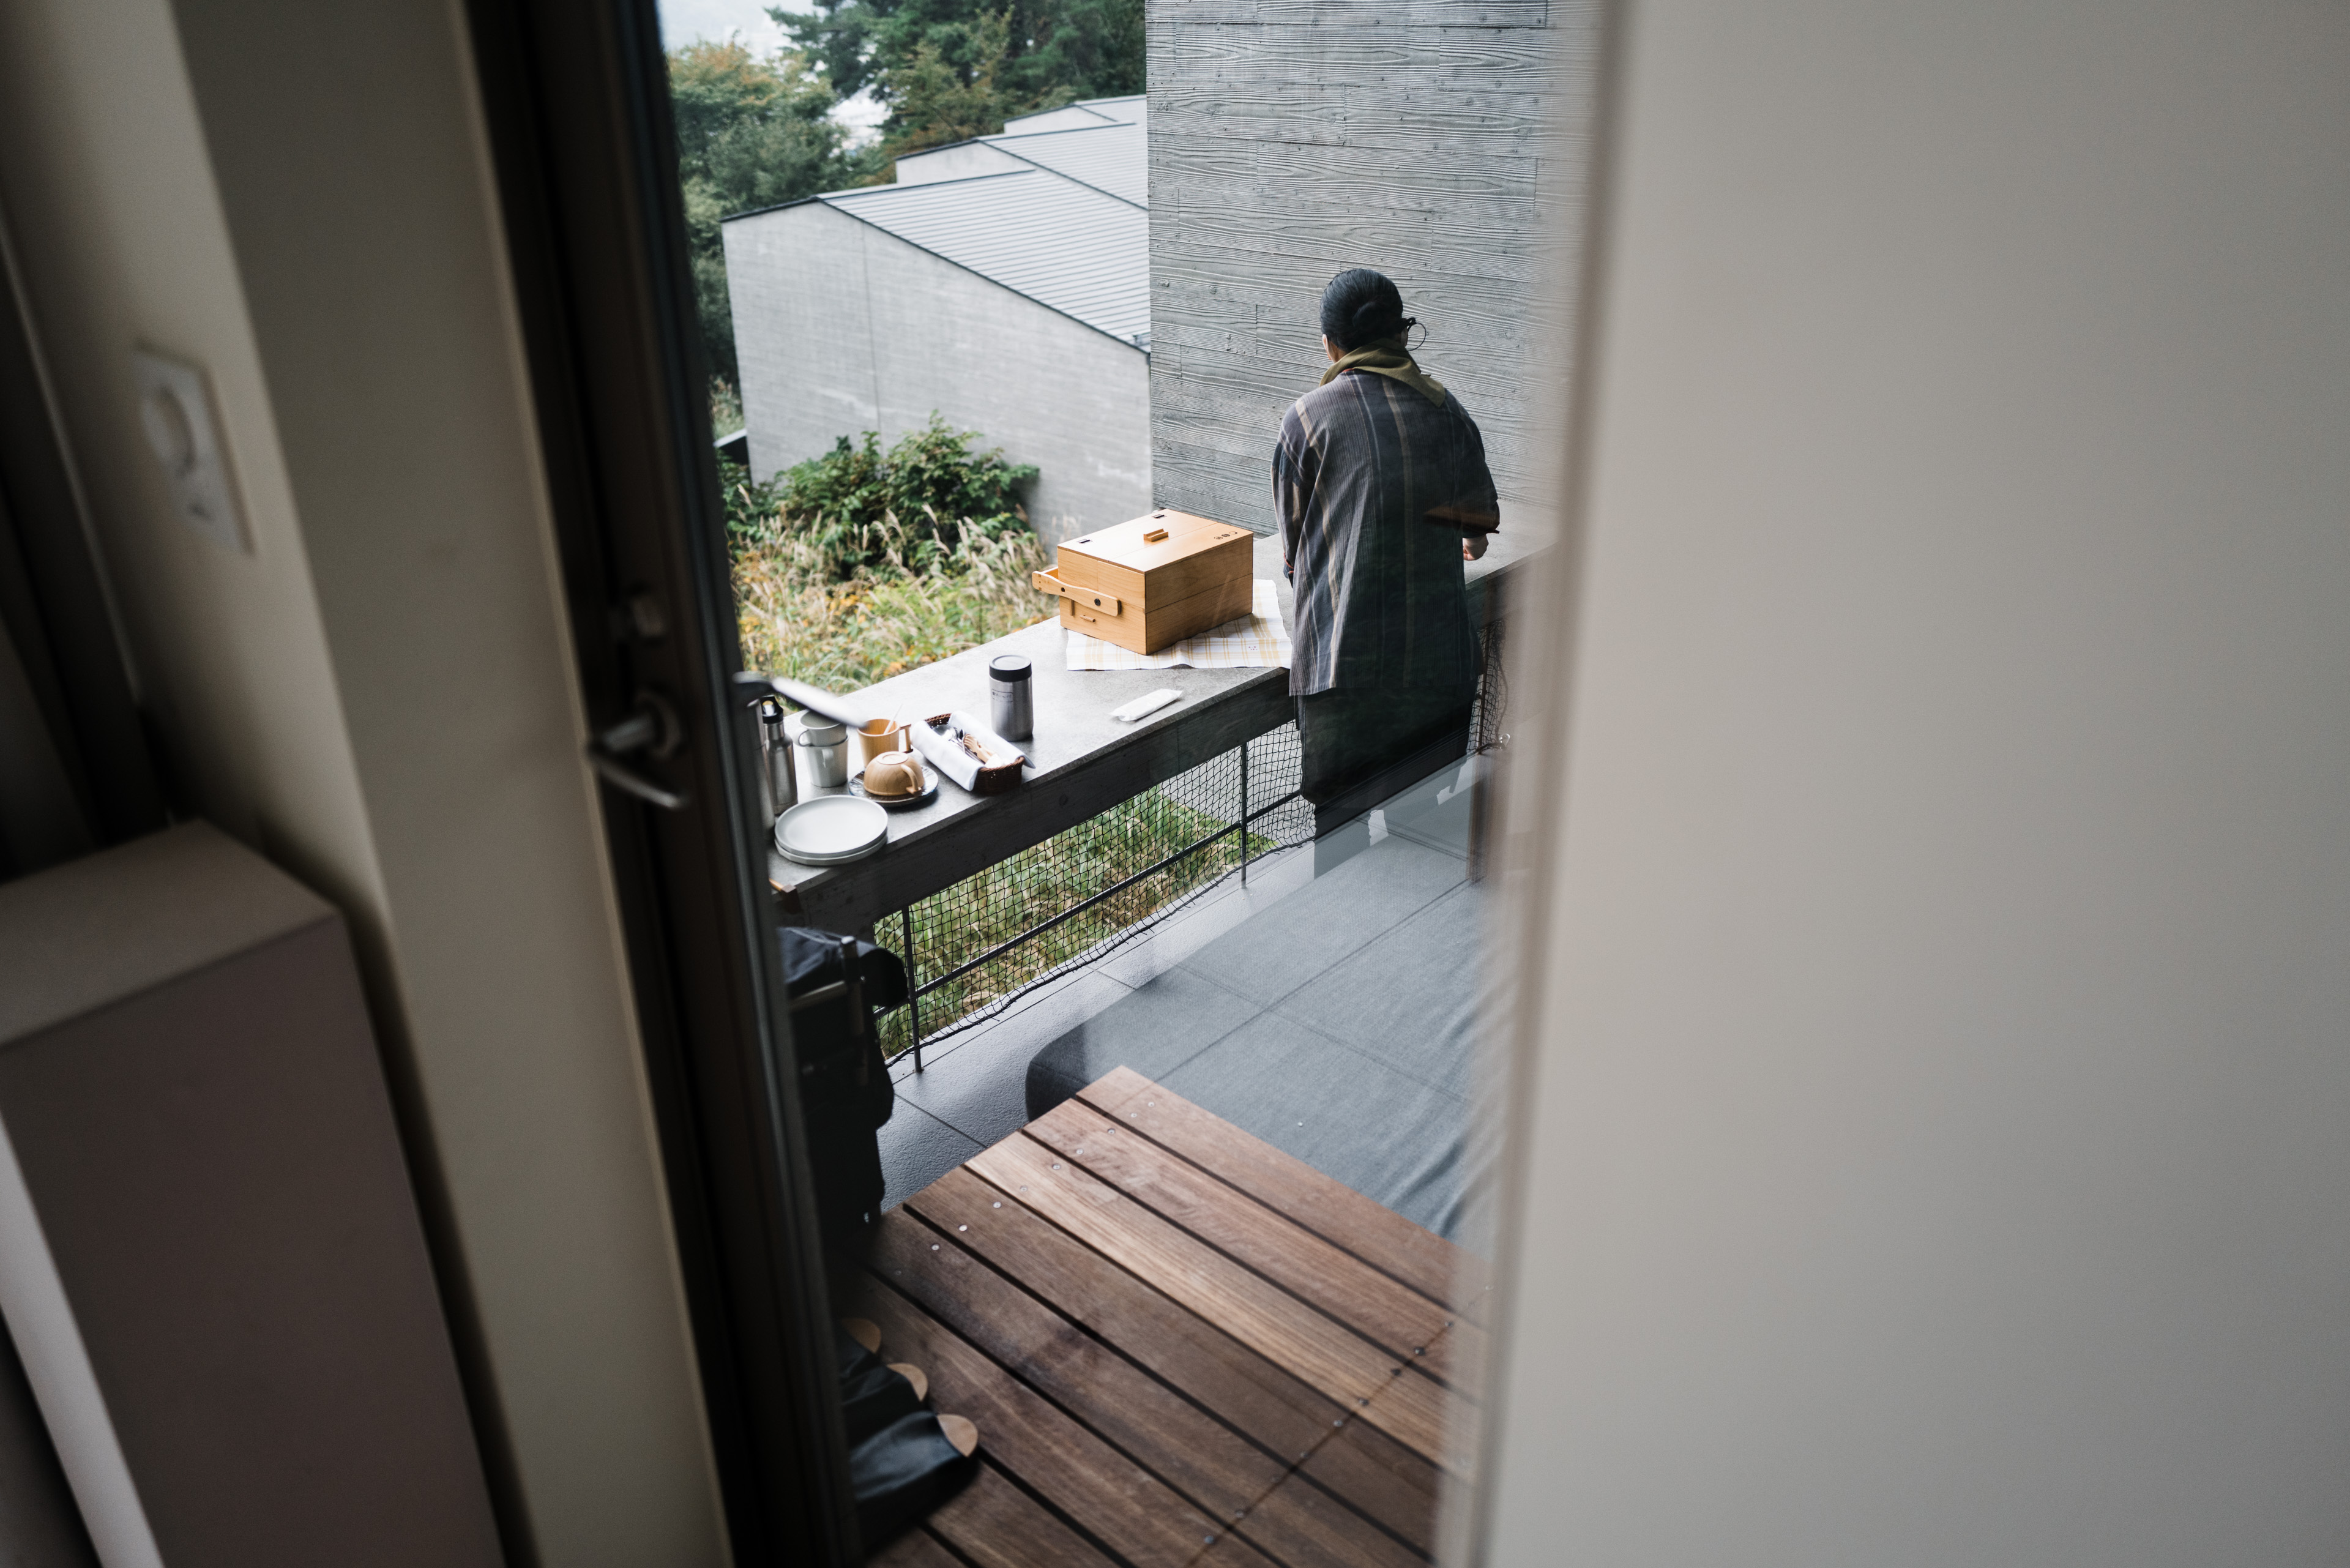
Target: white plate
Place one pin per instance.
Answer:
(829, 829)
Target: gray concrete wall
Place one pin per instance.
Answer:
(842, 327)
(1439, 142)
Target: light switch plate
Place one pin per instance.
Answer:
(182, 426)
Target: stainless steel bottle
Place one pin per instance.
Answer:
(1010, 697)
(778, 787)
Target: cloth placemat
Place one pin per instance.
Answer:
(1256, 639)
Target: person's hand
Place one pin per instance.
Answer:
(1472, 547)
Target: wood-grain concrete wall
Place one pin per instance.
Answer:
(1441, 141)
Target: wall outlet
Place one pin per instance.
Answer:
(176, 409)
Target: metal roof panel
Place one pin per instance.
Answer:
(1112, 158)
(1064, 244)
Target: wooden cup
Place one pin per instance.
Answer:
(872, 738)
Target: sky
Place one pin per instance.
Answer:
(685, 21)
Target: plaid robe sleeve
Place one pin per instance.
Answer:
(1305, 549)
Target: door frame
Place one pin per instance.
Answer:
(576, 98)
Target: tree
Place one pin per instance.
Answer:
(751, 132)
(952, 69)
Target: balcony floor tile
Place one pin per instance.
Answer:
(1351, 1117)
(1323, 923)
(1409, 999)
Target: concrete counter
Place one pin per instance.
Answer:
(1081, 761)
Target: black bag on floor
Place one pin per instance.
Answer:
(836, 985)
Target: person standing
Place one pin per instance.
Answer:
(1381, 487)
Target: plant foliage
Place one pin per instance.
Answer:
(859, 511)
(952, 69)
(752, 132)
(861, 563)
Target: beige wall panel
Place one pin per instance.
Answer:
(380, 696)
(213, 1264)
(1939, 1151)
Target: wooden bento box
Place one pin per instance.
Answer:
(1154, 581)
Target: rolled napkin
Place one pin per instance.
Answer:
(966, 750)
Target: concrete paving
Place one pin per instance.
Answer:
(1333, 1008)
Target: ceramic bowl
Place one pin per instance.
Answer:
(894, 773)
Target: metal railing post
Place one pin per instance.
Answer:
(913, 986)
(1244, 842)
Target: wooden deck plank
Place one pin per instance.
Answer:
(1184, 1446)
(1382, 1478)
(1407, 1324)
(1327, 1355)
(915, 1549)
(1232, 1551)
(1268, 1403)
(996, 1525)
(1231, 1478)
(1299, 1522)
(1112, 1497)
(1379, 1235)
(1366, 1467)
(1461, 1424)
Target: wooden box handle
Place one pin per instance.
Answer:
(1049, 582)
(1154, 535)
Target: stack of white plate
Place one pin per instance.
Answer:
(829, 829)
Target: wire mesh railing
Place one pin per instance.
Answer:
(975, 949)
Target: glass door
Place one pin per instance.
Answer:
(1060, 507)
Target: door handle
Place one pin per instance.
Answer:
(653, 727)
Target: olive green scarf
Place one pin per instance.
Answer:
(1386, 357)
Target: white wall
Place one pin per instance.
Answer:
(380, 698)
(840, 327)
(1939, 1146)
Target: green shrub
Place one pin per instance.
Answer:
(864, 512)
(858, 565)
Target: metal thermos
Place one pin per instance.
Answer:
(779, 788)
(1010, 697)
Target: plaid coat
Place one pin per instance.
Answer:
(1381, 603)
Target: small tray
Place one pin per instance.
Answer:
(897, 802)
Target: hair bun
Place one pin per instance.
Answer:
(1361, 307)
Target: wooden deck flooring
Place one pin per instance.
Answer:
(1181, 1346)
